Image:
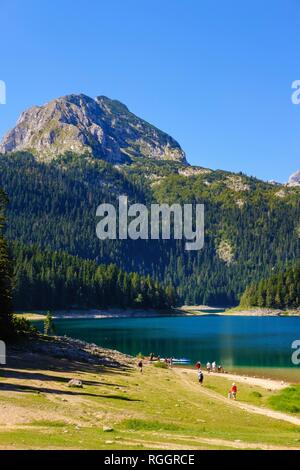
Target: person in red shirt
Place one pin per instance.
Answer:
(233, 391)
(198, 365)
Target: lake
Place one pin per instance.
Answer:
(248, 343)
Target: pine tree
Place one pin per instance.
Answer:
(49, 328)
(5, 277)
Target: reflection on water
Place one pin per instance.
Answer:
(230, 341)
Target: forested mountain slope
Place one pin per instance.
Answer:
(57, 280)
(250, 226)
(281, 290)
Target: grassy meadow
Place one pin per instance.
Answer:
(121, 408)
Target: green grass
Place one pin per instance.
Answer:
(246, 393)
(150, 410)
(288, 400)
(160, 365)
(147, 425)
(48, 423)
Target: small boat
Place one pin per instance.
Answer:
(181, 361)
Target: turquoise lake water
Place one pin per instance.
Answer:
(234, 342)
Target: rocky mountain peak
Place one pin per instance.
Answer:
(112, 105)
(294, 179)
(101, 127)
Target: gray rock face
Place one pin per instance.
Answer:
(101, 127)
(294, 179)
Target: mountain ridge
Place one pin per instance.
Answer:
(100, 127)
(294, 179)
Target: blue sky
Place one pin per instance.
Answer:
(216, 75)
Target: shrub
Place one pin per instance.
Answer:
(161, 365)
(23, 326)
(287, 400)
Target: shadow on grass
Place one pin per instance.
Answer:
(29, 389)
(38, 360)
(26, 363)
(23, 356)
(26, 375)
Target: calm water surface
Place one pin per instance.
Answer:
(235, 342)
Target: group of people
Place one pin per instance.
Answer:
(169, 361)
(212, 367)
(152, 357)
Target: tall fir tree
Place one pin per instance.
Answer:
(5, 276)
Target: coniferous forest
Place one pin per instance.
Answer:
(57, 280)
(282, 291)
(5, 275)
(251, 228)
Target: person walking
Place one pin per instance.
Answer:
(233, 391)
(200, 377)
(208, 367)
(198, 365)
(140, 366)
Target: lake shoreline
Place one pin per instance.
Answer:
(195, 338)
(74, 349)
(199, 310)
(73, 314)
(278, 377)
(185, 311)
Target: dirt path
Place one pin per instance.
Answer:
(236, 444)
(184, 373)
(202, 443)
(269, 384)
